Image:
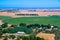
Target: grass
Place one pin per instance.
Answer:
(53, 20)
(4, 17)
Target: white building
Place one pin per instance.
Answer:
(20, 32)
(52, 26)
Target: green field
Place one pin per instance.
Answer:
(53, 20)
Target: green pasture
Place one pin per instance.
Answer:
(53, 20)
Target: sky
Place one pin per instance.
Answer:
(30, 3)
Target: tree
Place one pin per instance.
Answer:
(33, 26)
(4, 31)
(42, 25)
(31, 38)
(48, 26)
(37, 25)
(12, 36)
(1, 32)
(28, 31)
(7, 30)
(39, 38)
(13, 25)
(5, 38)
(22, 24)
(19, 38)
(25, 38)
(4, 25)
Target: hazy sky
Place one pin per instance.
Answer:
(29, 3)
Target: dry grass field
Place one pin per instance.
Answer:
(26, 12)
(46, 36)
(1, 22)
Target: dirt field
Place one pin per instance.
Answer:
(26, 12)
(1, 22)
(46, 36)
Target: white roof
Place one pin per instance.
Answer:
(52, 26)
(21, 32)
(40, 28)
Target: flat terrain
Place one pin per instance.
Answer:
(13, 14)
(53, 20)
(46, 36)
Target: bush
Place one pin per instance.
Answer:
(22, 24)
(5, 38)
(12, 36)
(33, 26)
(4, 25)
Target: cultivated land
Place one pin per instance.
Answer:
(41, 20)
(53, 20)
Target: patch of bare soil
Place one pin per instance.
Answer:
(46, 36)
(11, 14)
(1, 22)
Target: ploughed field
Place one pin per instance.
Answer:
(53, 20)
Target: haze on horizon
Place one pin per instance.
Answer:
(30, 3)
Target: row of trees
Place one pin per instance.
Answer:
(36, 25)
(22, 27)
(28, 26)
(22, 37)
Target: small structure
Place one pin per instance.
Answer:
(40, 28)
(52, 26)
(20, 32)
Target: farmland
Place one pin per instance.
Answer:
(53, 20)
(29, 24)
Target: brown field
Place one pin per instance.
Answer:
(27, 12)
(1, 22)
(46, 36)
